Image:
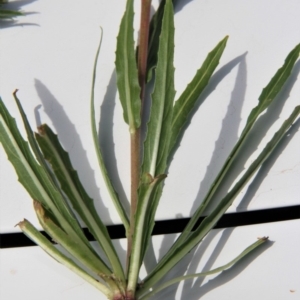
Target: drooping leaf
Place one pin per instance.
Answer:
(126, 68)
(187, 100)
(113, 194)
(71, 185)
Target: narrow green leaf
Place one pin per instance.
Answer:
(154, 34)
(156, 147)
(71, 185)
(267, 96)
(49, 248)
(145, 195)
(186, 102)
(8, 14)
(126, 68)
(32, 142)
(247, 251)
(176, 254)
(78, 250)
(182, 109)
(113, 194)
(274, 87)
(33, 177)
(20, 156)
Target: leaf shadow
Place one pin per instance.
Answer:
(17, 6)
(258, 132)
(266, 167)
(212, 85)
(186, 264)
(179, 4)
(210, 262)
(193, 289)
(106, 140)
(215, 80)
(66, 129)
(230, 124)
(250, 145)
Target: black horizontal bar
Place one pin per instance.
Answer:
(13, 240)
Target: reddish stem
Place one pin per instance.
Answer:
(143, 45)
(135, 137)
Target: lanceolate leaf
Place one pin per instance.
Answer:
(182, 109)
(156, 147)
(247, 251)
(186, 102)
(33, 144)
(71, 185)
(265, 99)
(112, 192)
(127, 75)
(19, 154)
(154, 34)
(31, 174)
(169, 261)
(46, 172)
(274, 87)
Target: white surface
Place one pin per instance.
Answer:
(49, 59)
(272, 273)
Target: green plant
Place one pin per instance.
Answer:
(57, 191)
(8, 13)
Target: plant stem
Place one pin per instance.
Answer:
(135, 136)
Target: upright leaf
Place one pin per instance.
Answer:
(267, 96)
(127, 75)
(187, 100)
(145, 196)
(154, 34)
(114, 196)
(265, 99)
(156, 147)
(177, 253)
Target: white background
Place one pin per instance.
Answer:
(48, 55)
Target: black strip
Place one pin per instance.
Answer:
(12, 240)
